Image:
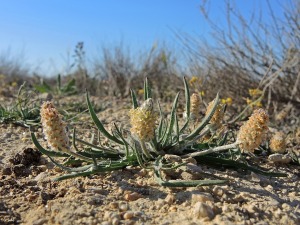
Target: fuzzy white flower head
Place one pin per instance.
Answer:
(54, 128)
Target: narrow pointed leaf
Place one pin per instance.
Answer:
(176, 129)
(58, 82)
(73, 175)
(78, 169)
(172, 120)
(124, 141)
(44, 151)
(147, 89)
(187, 105)
(187, 98)
(99, 124)
(161, 118)
(190, 183)
(205, 121)
(210, 160)
(133, 98)
(181, 183)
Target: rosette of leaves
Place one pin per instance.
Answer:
(60, 89)
(23, 111)
(148, 150)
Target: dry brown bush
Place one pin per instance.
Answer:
(251, 53)
(118, 72)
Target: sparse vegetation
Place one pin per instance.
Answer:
(126, 126)
(23, 111)
(149, 146)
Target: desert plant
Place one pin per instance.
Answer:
(148, 143)
(59, 89)
(24, 111)
(278, 143)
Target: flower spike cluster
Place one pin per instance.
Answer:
(143, 120)
(54, 128)
(195, 106)
(254, 131)
(216, 120)
(277, 143)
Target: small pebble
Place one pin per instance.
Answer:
(189, 176)
(138, 213)
(40, 221)
(123, 207)
(42, 168)
(190, 160)
(292, 194)
(226, 209)
(255, 177)
(7, 135)
(192, 168)
(202, 210)
(159, 203)
(128, 215)
(278, 213)
(142, 173)
(218, 191)
(110, 215)
(202, 197)
(185, 204)
(280, 158)
(31, 197)
(251, 208)
(173, 158)
(274, 202)
(132, 196)
(57, 169)
(140, 182)
(269, 188)
(113, 205)
(285, 206)
(115, 221)
(173, 208)
(170, 199)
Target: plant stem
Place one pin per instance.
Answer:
(211, 150)
(145, 150)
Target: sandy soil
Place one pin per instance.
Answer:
(132, 196)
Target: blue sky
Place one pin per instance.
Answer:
(46, 31)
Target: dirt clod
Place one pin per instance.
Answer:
(28, 156)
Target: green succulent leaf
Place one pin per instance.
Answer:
(71, 170)
(205, 121)
(99, 124)
(217, 161)
(44, 151)
(70, 87)
(43, 87)
(147, 89)
(168, 135)
(133, 98)
(161, 121)
(108, 166)
(176, 129)
(180, 183)
(187, 105)
(58, 82)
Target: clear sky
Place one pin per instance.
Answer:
(46, 30)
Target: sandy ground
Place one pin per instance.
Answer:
(132, 196)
